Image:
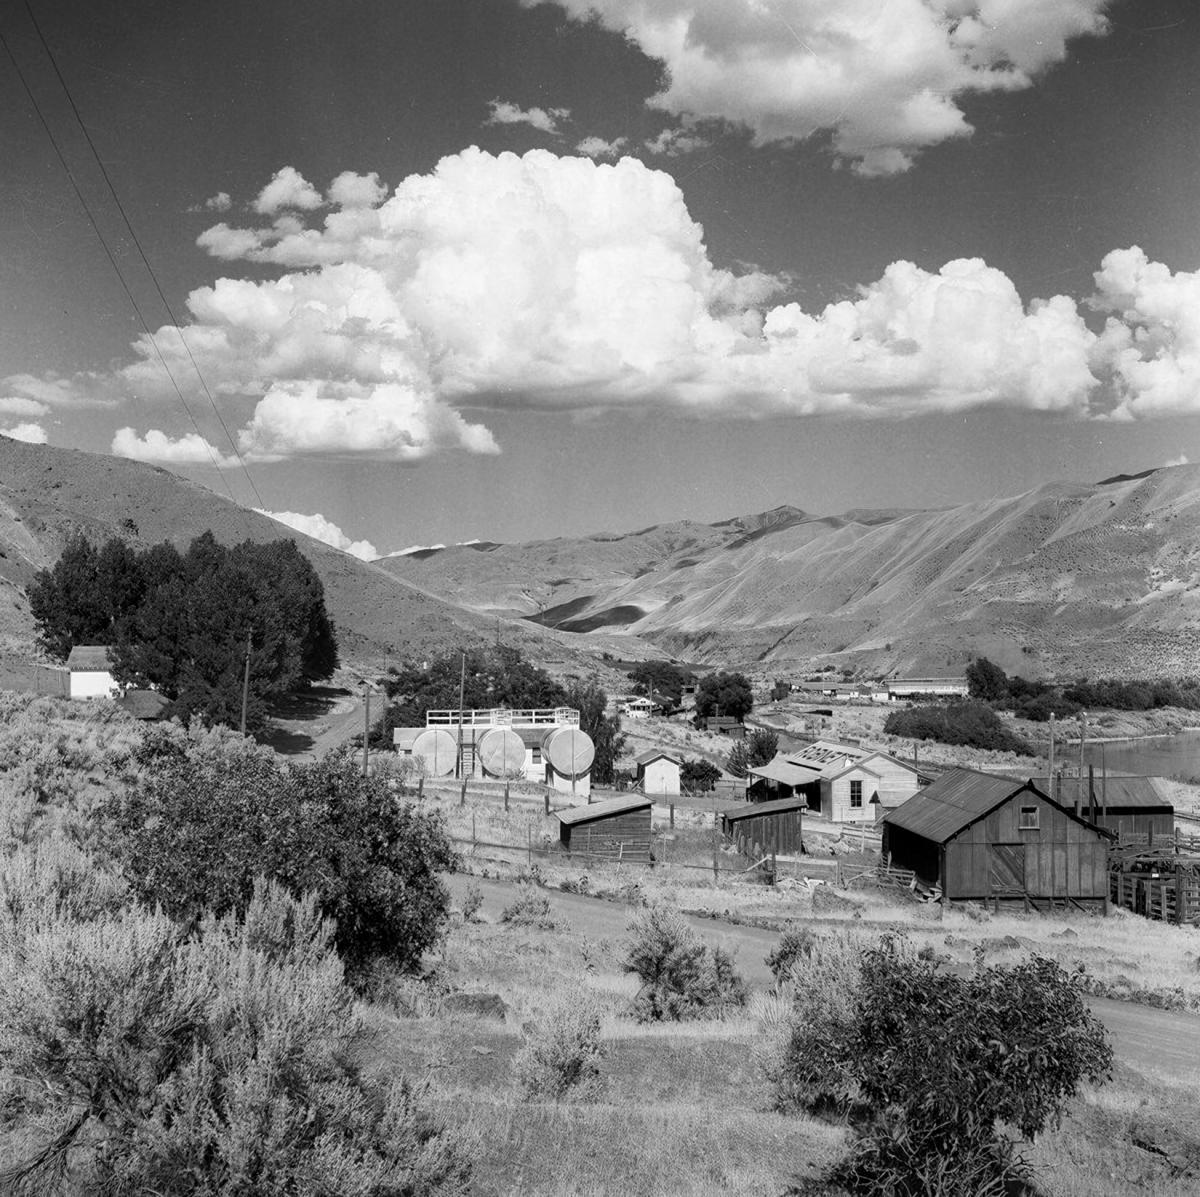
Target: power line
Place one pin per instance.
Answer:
(109, 254)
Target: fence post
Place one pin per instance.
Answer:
(774, 870)
(529, 843)
(474, 838)
(547, 796)
(421, 787)
(462, 801)
(672, 808)
(716, 865)
(506, 796)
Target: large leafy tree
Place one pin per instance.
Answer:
(724, 694)
(759, 747)
(180, 622)
(986, 681)
(659, 677)
(605, 730)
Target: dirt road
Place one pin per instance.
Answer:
(1143, 1038)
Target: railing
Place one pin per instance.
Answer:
(505, 717)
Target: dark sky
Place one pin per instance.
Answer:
(1100, 152)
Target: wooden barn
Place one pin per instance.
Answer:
(617, 828)
(760, 828)
(982, 838)
(1136, 808)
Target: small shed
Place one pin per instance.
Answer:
(723, 725)
(90, 667)
(658, 772)
(980, 837)
(616, 829)
(765, 827)
(1127, 805)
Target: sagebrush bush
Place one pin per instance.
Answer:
(793, 949)
(529, 909)
(681, 977)
(134, 1059)
(562, 1054)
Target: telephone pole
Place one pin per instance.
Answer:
(246, 684)
(366, 723)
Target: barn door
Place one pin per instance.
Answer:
(1006, 867)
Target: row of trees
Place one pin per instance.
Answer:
(180, 621)
(499, 677)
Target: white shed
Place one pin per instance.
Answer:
(658, 772)
(90, 667)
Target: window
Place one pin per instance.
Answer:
(1029, 818)
(855, 795)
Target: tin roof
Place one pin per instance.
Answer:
(956, 800)
(754, 810)
(90, 657)
(1143, 793)
(620, 805)
(787, 771)
(653, 754)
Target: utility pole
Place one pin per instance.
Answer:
(366, 723)
(462, 689)
(246, 684)
(1051, 766)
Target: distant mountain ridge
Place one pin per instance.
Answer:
(1068, 578)
(49, 494)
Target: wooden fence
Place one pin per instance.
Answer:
(1168, 897)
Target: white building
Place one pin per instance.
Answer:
(637, 708)
(90, 667)
(544, 745)
(659, 773)
(901, 688)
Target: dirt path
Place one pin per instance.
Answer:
(1143, 1037)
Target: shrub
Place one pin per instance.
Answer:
(472, 901)
(698, 776)
(930, 1067)
(528, 909)
(681, 977)
(137, 1060)
(205, 818)
(973, 724)
(563, 1056)
(793, 949)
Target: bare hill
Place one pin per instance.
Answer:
(1068, 578)
(48, 494)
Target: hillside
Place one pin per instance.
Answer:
(48, 494)
(1068, 578)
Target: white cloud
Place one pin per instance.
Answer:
(17, 405)
(597, 147)
(219, 202)
(673, 142)
(1182, 459)
(350, 190)
(884, 78)
(288, 188)
(156, 446)
(33, 434)
(1151, 342)
(85, 389)
(502, 112)
(319, 528)
(427, 548)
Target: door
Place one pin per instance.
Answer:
(1006, 868)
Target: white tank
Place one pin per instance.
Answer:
(502, 753)
(440, 750)
(569, 750)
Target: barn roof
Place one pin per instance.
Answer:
(89, 657)
(620, 805)
(754, 810)
(653, 754)
(956, 800)
(1122, 793)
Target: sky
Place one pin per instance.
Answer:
(423, 273)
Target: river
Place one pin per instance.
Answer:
(1175, 756)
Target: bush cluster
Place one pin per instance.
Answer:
(562, 1056)
(681, 977)
(970, 724)
(528, 909)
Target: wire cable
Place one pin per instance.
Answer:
(111, 257)
(142, 253)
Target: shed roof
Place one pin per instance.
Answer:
(620, 805)
(90, 657)
(653, 754)
(1142, 793)
(786, 771)
(941, 810)
(754, 810)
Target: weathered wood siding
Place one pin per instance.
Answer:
(626, 836)
(897, 782)
(779, 832)
(1060, 858)
(1160, 825)
(904, 850)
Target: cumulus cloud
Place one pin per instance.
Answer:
(673, 142)
(350, 190)
(502, 112)
(85, 389)
(17, 405)
(156, 446)
(288, 188)
(319, 528)
(1182, 459)
(219, 202)
(883, 78)
(597, 147)
(33, 434)
(1151, 340)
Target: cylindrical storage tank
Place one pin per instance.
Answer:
(569, 750)
(502, 753)
(440, 750)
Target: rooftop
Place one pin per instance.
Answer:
(620, 805)
(942, 809)
(90, 657)
(504, 717)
